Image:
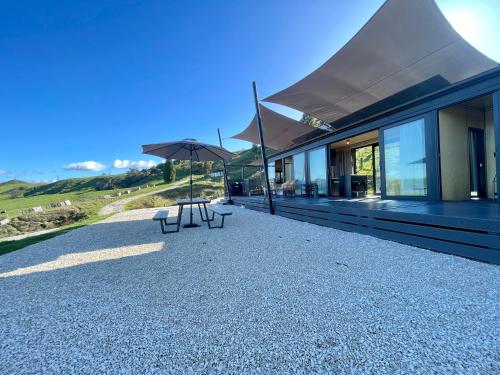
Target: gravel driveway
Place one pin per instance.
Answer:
(119, 205)
(264, 294)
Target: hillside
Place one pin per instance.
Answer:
(130, 179)
(245, 158)
(15, 188)
(19, 199)
(99, 183)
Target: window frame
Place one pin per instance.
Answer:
(431, 155)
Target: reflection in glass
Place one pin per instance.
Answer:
(317, 169)
(271, 171)
(299, 172)
(288, 169)
(405, 162)
(376, 153)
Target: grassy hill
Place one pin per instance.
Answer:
(14, 188)
(88, 195)
(245, 158)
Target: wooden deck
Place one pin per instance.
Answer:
(470, 229)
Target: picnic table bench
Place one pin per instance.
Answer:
(162, 217)
(220, 210)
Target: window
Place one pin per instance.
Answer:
(299, 171)
(317, 169)
(271, 170)
(288, 169)
(376, 153)
(405, 159)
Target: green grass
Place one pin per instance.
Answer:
(88, 199)
(85, 204)
(210, 188)
(6, 187)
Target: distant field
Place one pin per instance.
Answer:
(206, 188)
(84, 205)
(87, 197)
(91, 200)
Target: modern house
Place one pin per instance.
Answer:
(407, 148)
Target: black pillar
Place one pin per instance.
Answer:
(191, 185)
(496, 127)
(263, 148)
(226, 182)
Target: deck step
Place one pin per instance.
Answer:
(447, 228)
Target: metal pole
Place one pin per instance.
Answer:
(226, 182)
(496, 127)
(191, 185)
(263, 148)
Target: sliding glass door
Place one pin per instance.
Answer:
(405, 159)
(288, 169)
(318, 169)
(299, 171)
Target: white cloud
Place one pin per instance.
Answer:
(141, 164)
(2, 172)
(85, 166)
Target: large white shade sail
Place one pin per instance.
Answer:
(405, 51)
(280, 132)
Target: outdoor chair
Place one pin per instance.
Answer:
(289, 189)
(309, 190)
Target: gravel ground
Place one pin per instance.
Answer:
(264, 294)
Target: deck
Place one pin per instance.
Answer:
(470, 229)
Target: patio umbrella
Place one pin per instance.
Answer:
(188, 149)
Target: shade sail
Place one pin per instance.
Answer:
(405, 51)
(280, 132)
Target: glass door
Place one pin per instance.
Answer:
(367, 163)
(299, 171)
(318, 170)
(405, 159)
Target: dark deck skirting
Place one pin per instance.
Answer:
(467, 229)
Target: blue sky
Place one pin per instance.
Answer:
(93, 80)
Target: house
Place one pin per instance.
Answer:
(408, 141)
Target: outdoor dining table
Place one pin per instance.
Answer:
(190, 202)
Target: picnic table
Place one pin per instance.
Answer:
(190, 202)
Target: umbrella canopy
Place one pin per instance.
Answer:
(187, 149)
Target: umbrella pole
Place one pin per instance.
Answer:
(191, 224)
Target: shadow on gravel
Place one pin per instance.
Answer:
(91, 244)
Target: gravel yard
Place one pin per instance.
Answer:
(264, 294)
